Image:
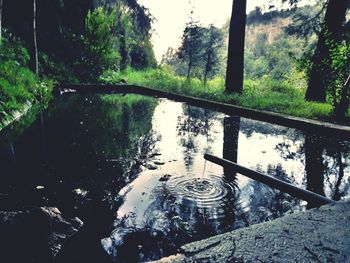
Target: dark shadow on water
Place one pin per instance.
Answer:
(314, 165)
(230, 147)
(102, 159)
(77, 156)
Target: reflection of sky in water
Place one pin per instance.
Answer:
(139, 164)
(181, 189)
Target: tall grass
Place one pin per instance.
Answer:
(263, 94)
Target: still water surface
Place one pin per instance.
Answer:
(132, 169)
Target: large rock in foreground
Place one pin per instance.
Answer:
(317, 235)
(34, 234)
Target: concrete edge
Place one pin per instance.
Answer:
(317, 235)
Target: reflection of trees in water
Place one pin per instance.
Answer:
(90, 142)
(169, 221)
(131, 167)
(336, 193)
(337, 159)
(248, 127)
(288, 151)
(314, 165)
(326, 162)
(230, 147)
(94, 145)
(193, 123)
(107, 140)
(266, 203)
(261, 202)
(8, 164)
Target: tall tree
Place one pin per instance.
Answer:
(235, 58)
(332, 31)
(36, 62)
(212, 53)
(191, 48)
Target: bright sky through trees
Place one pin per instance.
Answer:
(172, 15)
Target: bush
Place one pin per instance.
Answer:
(99, 46)
(18, 84)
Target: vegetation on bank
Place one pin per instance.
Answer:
(67, 48)
(19, 86)
(262, 94)
(110, 41)
(276, 66)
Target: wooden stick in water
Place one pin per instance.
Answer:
(306, 195)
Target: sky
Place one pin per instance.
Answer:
(172, 15)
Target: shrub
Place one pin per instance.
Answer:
(18, 84)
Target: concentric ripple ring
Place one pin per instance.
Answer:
(206, 192)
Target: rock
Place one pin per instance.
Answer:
(159, 162)
(34, 234)
(165, 178)
(151, 166)
(317, 235)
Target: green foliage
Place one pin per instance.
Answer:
(142, 55)
(114, 36)
(258, 17)
(113, 40)
(18, 84)
(264, 94)
(135, 47)
(336, 69)
(212, 55)
(306, 21)
(200, 54)
(58, 71)
(275, 77)
(191, 49)
(337, 84)
(275, 59)
(99, 44)
(80, 39)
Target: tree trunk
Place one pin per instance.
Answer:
(189, 68)
(320, 69)
(0, 21)
(206, 71)
(235, 58)
(36, 62)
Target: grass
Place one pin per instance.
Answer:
(263, 94)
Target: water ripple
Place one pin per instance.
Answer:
(206, 192)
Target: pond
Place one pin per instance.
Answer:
(132, 168)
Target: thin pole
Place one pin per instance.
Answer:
(306, 195)
(35, 39)
(0, 21)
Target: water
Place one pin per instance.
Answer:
(132, 169)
